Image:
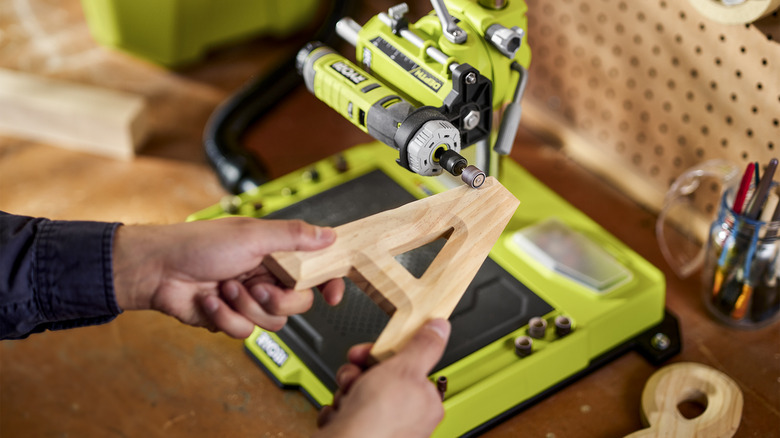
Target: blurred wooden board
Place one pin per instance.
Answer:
(101, 121)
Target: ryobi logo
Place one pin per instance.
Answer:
(272, 349)
(348, 72)
(427, 79)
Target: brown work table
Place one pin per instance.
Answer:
(147, 375)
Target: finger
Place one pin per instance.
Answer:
(278, 301)
(426, 347)
(360, 355)
(346, 376)
(235, 294)
(292, 235)
(333, 291)
(325, 415)
(224, 318)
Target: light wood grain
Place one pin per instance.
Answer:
(694, 383)
(83, 117)
(471, 221)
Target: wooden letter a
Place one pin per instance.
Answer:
(471, 221)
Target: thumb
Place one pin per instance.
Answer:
(426, 347)
(293, 235)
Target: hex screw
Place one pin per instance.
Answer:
(660, 341)
(562, 325)
(523, 346)
(537, 327)
(441, 385)
(230, 204)
(471, 78)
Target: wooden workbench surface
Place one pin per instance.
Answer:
(146, 375)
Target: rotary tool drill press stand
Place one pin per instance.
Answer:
(557, 297)
(428, 98)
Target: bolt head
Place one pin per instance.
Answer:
(471, 78)
(471, 120)
(660, 341)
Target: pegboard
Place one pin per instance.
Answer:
(641, 91)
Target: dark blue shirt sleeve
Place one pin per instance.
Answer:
(54, 275)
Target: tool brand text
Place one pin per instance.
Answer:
(348, 72)
(428, 79)
(274, 351)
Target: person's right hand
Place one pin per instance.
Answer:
(391, 399)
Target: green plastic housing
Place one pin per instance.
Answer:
(429, 82)
(494, 379)
(174, 32)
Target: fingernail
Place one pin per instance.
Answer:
(231, 291)
(260, 293)
(211, 304)
(439, 326)
(340, 377)
(324, 234)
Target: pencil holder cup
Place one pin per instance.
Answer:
(741, 271)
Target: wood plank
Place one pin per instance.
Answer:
(87, 118)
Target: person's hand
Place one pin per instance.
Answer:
(210, 273)
(392, 399)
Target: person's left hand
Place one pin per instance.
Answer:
(210, 273)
